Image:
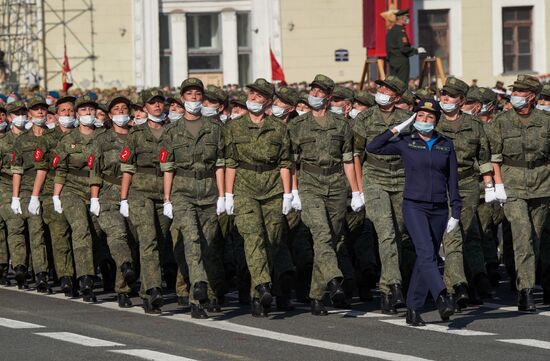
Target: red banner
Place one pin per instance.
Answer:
(66, 76)
(276, 69)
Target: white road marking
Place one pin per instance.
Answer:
(79, 339)
(500, 307)
(529, 342)
(358, 314)
(6, 322)
(152, 355)
(442, 329)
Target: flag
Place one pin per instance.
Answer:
(276, 70)
(66, 76)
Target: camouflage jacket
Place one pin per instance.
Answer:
(26, 152)
(47, 143)
(6, 160)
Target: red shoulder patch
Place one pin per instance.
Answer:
(163, 156)
(125, 154)
(55, 161)
(91, 160)
(38, 153)
(12, 157)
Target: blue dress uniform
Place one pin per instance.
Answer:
(430, 174)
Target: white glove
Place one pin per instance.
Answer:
(356, 201)
(421, 50)
(363, 197)
(16, 205)
(399, 128)
(57, 204)
(229, 204)
(220, 205)
(452, 224)
(124, 208)
(168, 210)
(34, 206)
(500, 193)
(287, 203)
(490, 195)
(296, 201)
(94, 206)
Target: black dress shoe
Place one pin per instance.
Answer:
(21, 276)
(183, 301)
(87, 288)
(200, 291)
(318, 308)
(283, 303)
(214, 306)
(413, 318)
(444, 306)
(124, 300)
(257, 309)
(336, 293)
(42, 283)
(197, 311)
(386, 306)
(128, 273)
(526, 301)
(397, 299)
(265, 294)
(154, 302)
(461, 295)
(149, 308)
(482, 285)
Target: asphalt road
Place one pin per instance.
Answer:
(51, 327)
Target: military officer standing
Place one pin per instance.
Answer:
(4, 256)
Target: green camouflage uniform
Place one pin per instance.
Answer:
(4, 256)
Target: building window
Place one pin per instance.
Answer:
(203, 43)
(433, 26)
(516, 38)
(165, 50)
(245, 50)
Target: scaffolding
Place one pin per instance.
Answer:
(26, 27)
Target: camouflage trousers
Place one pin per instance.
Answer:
(15, 234)
(116, 230)
(4, 255)
(324, 216)
(260, 224)
(544, 257)
(301, 246)
(76, 212)
(196, 243)
(35, 227)
(490, 216)
(283, 267)
(527, 218)
(153, 230)
(60, 234)
(384, 209)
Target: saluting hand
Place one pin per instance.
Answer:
(399, 128)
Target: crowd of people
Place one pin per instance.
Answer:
(282, 193)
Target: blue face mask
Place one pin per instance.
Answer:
(424, 127)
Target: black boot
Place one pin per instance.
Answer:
(200, 292)
(397, 299)
(493, 274)
(108, 275)
(87, 289)
(68, 286)
(386, 305)
(526, 301)
(42, 283)
(257, 309)
(318, 308)
(461, 295)
(4, 281)
(124, 300)
(214, 306)
(154, 302)
(444, 306)
(265, 294)
(336, 293)
(183, 301)
(197, 311)
(283, 303)
(21, 276)
(413, 318)
(128, 273)
(482, 285)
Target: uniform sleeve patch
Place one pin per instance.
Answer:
(91, 160)
(55, 161)
(38, 153)
(125, 154)
(12, 157)
(163, 156)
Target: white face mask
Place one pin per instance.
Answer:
(192, 107)
(254, 107)
(382, 99)
(316, 102)
(448, 107)
(543, 107)
(156, 119)
(301, 112)
(67, 122)
(469, 112)
(174, 117)
(121, 120)
(209, 111)
(38, 121)
(484, 109)
(28, 125)
(518, 102)
(140, 121)
(353, 113)
(278, 111)
(20, 121)
(49, 101)
(87, 120)
(337, 110)
(50, 125)
(224, 118)
(10, 100)
(3, 125)
(99, 124)
(235, 116)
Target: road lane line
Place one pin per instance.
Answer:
(442, 329)
(6, 322)
(79, 339)
(152, 355)
(529, 342)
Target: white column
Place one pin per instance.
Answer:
(230, 53)
(151, 53)
(261, 36)
(178, 45)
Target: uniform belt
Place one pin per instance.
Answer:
(381, 164)
(79, 172)
(112, 179)
(152, 171)
(466, 174)
(257, 167)
(321, 170)
(524, 164)
(197, 174)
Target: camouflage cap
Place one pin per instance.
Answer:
(138, 104)
(263, 87)
(176, 100)
(393, 83)
(239, 99)
(303, 100)
(191, 83)
(15, 106)
(84, 100)
(149, 94)
(455, 86)
(425, 93)
(52, 109)
(364, 97)
(527, 82)
(342, 92)
(474, 95)
(323, 82)
(215, 93)
(487, 95)
(407, 97)
(65, 99)
(103, 106)
(37, 100)
(116, 100)
(287, 95)
(545, 90)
